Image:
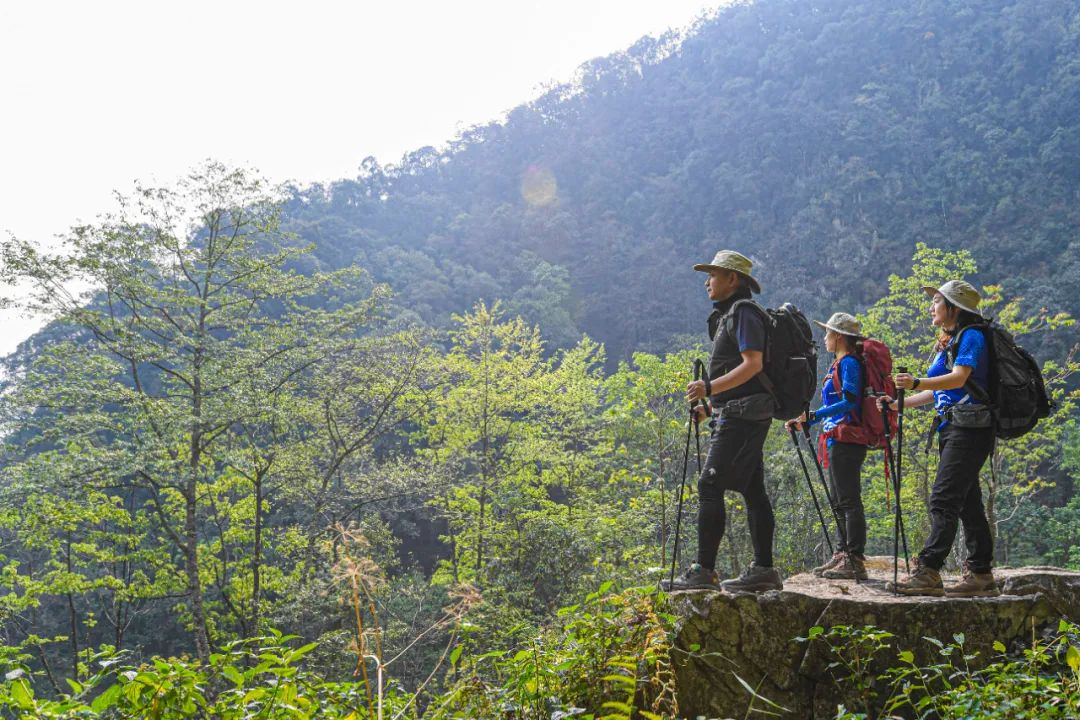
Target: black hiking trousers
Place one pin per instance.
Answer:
(735, 462)
(845, 474)
(956, 498)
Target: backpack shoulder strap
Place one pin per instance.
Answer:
(729, 317)
(834, 373)
(752, 303)
(950, 359)
(838, 387)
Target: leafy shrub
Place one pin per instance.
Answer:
(256, 678)
(1043, 681)
(608, 657)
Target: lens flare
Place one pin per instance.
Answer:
(538, 187)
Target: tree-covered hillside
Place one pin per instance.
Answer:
(823, 138)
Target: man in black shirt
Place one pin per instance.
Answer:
(742, 410)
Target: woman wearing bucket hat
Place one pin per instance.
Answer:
(965, 441)
(743, 412)
(843, 338)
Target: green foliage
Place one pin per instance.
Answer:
(262, 677)
(608, 657)
(1043, 683)
(647, 417)
(192, 433)
(855, 650)
(511, 431)
(1040, 681)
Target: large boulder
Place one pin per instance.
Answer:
(722, 638)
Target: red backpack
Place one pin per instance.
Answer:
(867, 427)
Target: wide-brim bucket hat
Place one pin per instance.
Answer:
(960, 293)
(844, 324)
(731, 260)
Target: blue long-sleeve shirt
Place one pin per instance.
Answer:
(838, 407)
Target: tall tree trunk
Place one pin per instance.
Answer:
(256, 555)
(191, 527)
(191, 562)
(73, 616)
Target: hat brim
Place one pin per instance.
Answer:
(932, 291)
(706, 267)
(827, 326)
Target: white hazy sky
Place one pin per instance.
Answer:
(96, 94)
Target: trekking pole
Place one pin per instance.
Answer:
(809, 484)
(890, 467)
(840, 529)
(697, 423)
(691, 426)
(898, 520)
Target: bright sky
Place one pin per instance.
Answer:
(97, 94)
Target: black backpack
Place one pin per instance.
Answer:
(1018, 397)
(790, 373)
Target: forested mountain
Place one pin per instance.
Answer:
(823, 138)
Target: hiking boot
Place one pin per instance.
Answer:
(754, 578)
(836, 559)
(921, 581)
(852, 567)
(696, 577)
(974, 584)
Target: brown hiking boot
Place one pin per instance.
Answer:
(921, 581)
(973, 584)
(836, 559)
(852, 567)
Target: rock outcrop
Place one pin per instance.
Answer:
(723, 637)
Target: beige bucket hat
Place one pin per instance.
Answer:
(960, 293)
(731, 260)
(844, 324)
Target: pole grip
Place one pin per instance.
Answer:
(900, 392)
(700, 373)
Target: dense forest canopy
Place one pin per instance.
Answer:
(416, 416)
(824, 139)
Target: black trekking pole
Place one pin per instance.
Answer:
(840, 529)
(691, 427)
(890, 464)
(809, 484)
(898, 521)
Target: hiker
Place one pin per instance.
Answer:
(843, 338)
(965, 440)
(742, 410)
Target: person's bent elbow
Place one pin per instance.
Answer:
(754, 360)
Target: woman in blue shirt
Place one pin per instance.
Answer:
(957, 378)
(843, 336)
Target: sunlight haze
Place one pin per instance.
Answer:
(99, 94)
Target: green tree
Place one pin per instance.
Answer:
(196, 371)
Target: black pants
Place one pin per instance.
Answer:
(735, 462)
(845, 474)
(956, 496)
